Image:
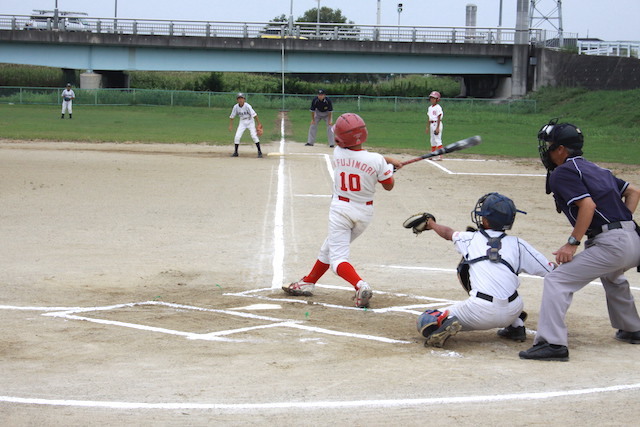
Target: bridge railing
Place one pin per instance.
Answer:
(301, 30)
(601, 48)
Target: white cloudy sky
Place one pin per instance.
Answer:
(608, 20)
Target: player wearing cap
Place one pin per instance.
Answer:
(356, 172)
(600, 206)
(491, 262)
(67, 100)
(248, 120)
(434, 126)
(321, 109)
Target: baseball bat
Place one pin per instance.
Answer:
(455, 146)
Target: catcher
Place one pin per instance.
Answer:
(488, 271)
(248, 120)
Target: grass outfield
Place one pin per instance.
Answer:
(512, 135)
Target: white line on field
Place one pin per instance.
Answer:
(278, 219)
(343, 404)
(439, 165)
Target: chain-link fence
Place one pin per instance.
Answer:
(342, 103)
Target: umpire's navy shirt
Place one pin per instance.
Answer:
(577, 179)
(322, 106)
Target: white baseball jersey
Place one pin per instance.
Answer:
(68, 93)
(434, 111)
(495, 278)
(356, 173)
(245, 112)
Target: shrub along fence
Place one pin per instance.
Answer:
(342, 103)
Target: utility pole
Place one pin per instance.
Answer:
(553, 18)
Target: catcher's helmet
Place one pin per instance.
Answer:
(350, 130)
(435, 94)
(558, 134)
(499, 210)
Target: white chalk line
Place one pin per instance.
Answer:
(450, 270)
(71, 314)
(278, 219)
(319, 405)
(450, 172)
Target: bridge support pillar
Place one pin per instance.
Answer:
(520, 51)
(90, 80)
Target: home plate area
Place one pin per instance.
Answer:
(329, 314)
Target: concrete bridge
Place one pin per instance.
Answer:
(484, 57)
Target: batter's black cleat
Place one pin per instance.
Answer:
(630, 337)
(449, 328)
(545, 351)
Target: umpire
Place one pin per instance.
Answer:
(321, 109)
(600, 206)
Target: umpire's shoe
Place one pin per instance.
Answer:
(630, 337)
(450, 326)
(518, 333)
(545, 351)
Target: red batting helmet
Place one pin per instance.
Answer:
(435, 94)
(350, 130)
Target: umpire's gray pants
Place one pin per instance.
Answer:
(313, 129)
(607, 256)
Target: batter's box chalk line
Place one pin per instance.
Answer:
(416, 309)
(76, 313)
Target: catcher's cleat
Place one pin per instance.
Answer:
(300, 289)
(513, 333)
(449, 328)
(363, 295)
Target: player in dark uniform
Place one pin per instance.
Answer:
(321, 109)
(600, 206)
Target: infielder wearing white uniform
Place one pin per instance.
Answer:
(434, 127)
(356, 173)
(67, 101)
(248, 120)
(494, 261)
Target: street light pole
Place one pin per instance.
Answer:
(399, 12)
(318, 18)
(290, 18)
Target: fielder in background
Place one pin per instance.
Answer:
(67, 101)
(248, 120)
(491, 262)
(600, 206)
(356, 172)
(434, 126)
(321, 109)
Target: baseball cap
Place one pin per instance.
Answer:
(240, 95)
(321, 92)
(68, 84)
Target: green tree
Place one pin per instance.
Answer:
(327, 15)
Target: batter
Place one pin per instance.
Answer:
(356, 172)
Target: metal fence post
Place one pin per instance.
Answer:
(359, 103)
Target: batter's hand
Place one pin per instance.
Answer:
(565, 253)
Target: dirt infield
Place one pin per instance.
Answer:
(140, 285)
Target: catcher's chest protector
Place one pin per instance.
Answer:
(493, 255)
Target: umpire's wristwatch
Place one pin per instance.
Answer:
(573, 241)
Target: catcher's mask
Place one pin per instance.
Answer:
(553, 135)
(499, 210)
(350, 130)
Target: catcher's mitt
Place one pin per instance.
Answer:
(259, 130)
(418, 222)
(66, 98)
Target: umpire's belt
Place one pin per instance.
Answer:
(591, 233)
(490, 298)
(346, 199)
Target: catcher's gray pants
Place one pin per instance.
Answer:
(313, 129)
(607, 256)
